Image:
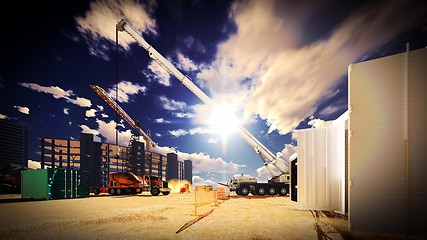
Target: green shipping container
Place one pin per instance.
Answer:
(54, 184)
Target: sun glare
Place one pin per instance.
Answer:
(223, 120)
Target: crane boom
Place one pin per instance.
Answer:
(259, 148)
(113, 104)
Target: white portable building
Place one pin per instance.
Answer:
(321, 167)
(387, 146)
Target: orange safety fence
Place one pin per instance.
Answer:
(204, 195)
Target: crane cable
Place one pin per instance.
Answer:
(117, 96)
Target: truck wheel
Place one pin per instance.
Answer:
(283, 191)
(237, 192)
(119, 191)
(244, 191)
(261, 191)
(97, 191)
(272, 191)
(253, 193)
(112, 191)
(166, 193)
(128, 191)
(155, 191)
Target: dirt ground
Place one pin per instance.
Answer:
(148, 217)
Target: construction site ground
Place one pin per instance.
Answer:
(148, 217)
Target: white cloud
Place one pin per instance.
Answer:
(271, 76)
(178, 109)
(202, 162)
(161, 120)
(126, 89)
(184, 115)
(101, 108)
(329, 110)
(24, 110)
(108, 131)
(181, 132)
(66, 111)
(83, 102)
(104, 115)
(58, 93)
(34, 165)
(317, 123)
(294, 135)
(198, 181)
(264, 175)
(158, 73)
(90, 113)
(86, 129)
(163, 150)
(337, 106)
(178, 133)
(99, 22)
(158, 135)
(193, 43)
(2, 116)
(185, 63)
(288, 151)
(172, 105)
(200, 130)
(213, 140)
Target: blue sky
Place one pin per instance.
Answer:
(282, 66)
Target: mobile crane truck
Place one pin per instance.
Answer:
(277, 184)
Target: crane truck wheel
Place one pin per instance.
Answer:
(119, 191)
(97, 191)
(112, 191)
(261, 191)
(244, 191)
(155, 191)
(283, 191)
(272, 191)
(166, 193)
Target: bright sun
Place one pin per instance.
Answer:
(223, 120)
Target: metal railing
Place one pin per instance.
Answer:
(204, 195)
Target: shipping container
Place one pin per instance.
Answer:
(53, 183)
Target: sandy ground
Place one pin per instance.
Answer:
(148, 217)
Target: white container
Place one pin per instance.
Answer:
(321, 168)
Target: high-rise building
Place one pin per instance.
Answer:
(13, 143)
(172, 166)
(188, 171)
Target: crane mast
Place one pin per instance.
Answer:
(259, 148)
(113, 104)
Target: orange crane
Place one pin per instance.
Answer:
(135, 124)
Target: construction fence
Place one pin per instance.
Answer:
(208, 195)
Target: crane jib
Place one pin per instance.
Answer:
(122, 25)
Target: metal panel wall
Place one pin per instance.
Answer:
(386, 144)
(321, 173)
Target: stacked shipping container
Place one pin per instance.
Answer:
(54, 183)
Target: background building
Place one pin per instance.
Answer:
(188, 171)
(99, 159)
(13, 143)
